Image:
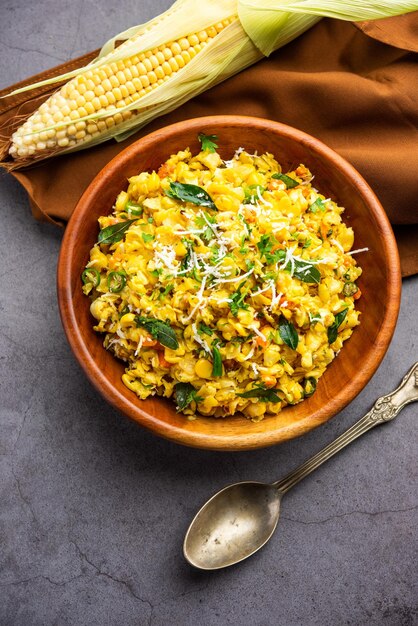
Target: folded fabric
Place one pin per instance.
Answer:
(352, 86)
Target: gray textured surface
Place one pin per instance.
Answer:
(94, 509)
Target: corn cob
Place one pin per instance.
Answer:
(105, 90)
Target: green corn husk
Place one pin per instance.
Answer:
(262, 27)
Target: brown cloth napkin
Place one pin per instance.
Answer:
(355, 87)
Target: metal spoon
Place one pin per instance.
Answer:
(240, 519)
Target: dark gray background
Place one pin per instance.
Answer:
(94, 509)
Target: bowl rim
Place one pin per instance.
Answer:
(227, 442)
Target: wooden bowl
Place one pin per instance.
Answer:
(380, 283)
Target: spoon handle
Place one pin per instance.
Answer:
(384, 409)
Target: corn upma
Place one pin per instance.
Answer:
(227, 285)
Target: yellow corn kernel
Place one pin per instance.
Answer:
(255, 410)
(306, 361)
(203, 368)
(272, 355)
(129, 382)
(180, 249)
(100, 310)
(127, 320)
(98, 259)
(323, 293)
(346, 238)
(245, 317)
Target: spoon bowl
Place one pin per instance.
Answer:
(232, 525)
(240, 519)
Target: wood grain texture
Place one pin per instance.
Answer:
(380, 283)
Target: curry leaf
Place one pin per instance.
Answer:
(253, 194)
(114, 233)
(185, 394)
(288, 333)
(190, 193)
(333, 329)
(305, 271)
(160, 330)
(265, 395)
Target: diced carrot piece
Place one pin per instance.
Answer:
(165, 170)
(163, 362)
(269, 381)
(149, 342)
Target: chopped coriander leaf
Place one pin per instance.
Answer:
(208, 142)
(147, 237)
(215, 254)
(204, 221)
(240, 339)
(307, 243)
(204, 218)
(287, 180)
(237, 301)
(167, 290)
(253, 193)
(270, 276)
(203, 329)
(265, 244)
(275, 257)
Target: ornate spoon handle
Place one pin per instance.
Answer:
(384, 410)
